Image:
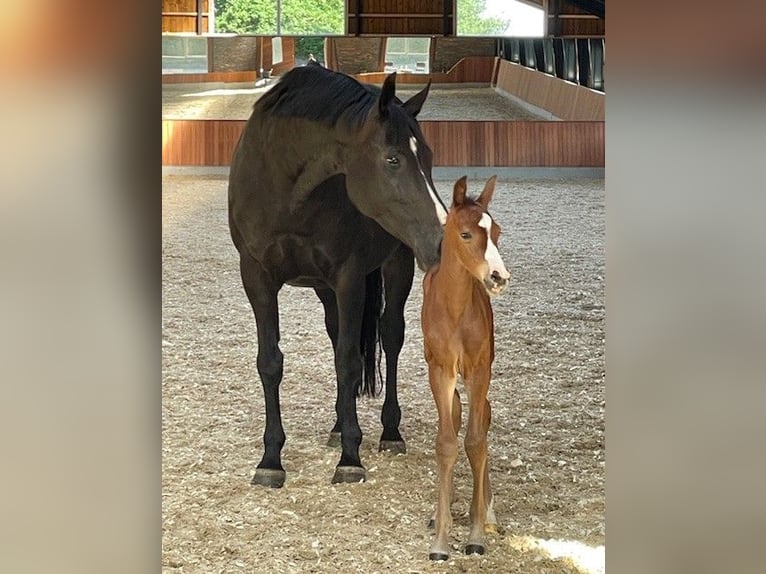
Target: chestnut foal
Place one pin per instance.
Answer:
(458, 336)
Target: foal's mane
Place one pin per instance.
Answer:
(315, 93)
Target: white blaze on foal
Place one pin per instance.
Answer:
(491, 254)
(441, 211)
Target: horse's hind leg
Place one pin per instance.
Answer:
(327, 297)
(262, 292)
(398, 271)
(350, 295)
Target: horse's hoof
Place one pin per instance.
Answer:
(393, 446)
(334, 440)
(474, 549)
(431, 523)
(348, 474)
(269, 477)
(490, 528)
(438, 556)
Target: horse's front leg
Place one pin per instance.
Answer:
(442, 382)
(348, 366)
(262, 292)
(398, 272)
(476, 449)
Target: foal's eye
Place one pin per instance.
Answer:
(393, 161)
(465, 235)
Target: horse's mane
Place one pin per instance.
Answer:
(315, 93)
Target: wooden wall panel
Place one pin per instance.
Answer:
(174, 24)
(355, 55)
(400, 17)
(250, 76)
(565, 100)
(446, 52)
(473, 69)
(589, 27)
(199, 142)
(181, 16)
(467, 143)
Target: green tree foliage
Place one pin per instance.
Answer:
(326, 17)
(298, 17)
(312, 17)
(306, 45)
(246, 16)
(470, 22)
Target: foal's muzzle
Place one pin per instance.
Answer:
(495, 283)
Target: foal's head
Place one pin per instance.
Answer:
(471, 236)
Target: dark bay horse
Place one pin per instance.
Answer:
(330, 188)
(458, 338)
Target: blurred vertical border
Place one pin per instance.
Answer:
(686, 277)
(79, 287)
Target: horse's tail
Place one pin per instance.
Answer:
(371, 382)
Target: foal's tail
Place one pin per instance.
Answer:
(371, 382)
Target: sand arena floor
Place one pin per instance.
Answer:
(234, 101)
(546, 441)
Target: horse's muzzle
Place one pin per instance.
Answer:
(495, 283)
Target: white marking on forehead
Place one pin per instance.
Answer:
(491, 254)
(441, 210)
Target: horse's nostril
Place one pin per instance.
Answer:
(496, 278)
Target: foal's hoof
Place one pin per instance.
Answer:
(393, 446)
(431, 523)
(269, 477)
(490, 528)
(334, 440)
(348, 474)
(438, 556)
(474, 549)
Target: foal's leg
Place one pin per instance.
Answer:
(476, 448)
(457, 422)
(443, 388)
(327, 297)
(490, 524)
(350, 295)
(398, 271)
(262, 292)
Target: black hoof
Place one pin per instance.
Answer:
(438, 556)
(334, 440)
(393, 446)
(269, 477)
(349, 474)
(474, 549)
(431, 523)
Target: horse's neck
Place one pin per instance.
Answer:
(310, 156)
(454, 284)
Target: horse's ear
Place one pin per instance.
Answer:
(387, 94)
(489, 190)
(458, 194)
(415, 103)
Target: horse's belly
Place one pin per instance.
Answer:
(305, 281)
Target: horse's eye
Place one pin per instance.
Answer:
(465, 235)
(392, 161)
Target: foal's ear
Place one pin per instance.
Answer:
(486, 195)
(387, 94)
(415, 103)
(458, 194)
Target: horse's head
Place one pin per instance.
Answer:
(472, 235)
(388, 174)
